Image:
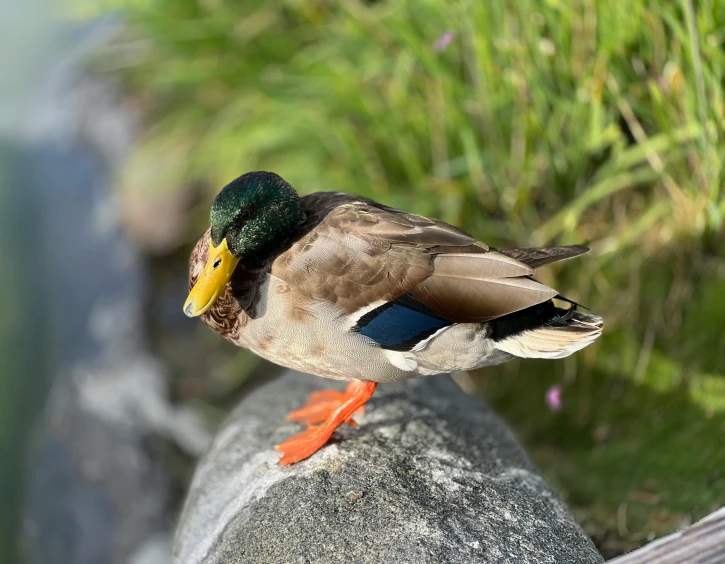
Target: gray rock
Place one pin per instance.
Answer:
(431, 475)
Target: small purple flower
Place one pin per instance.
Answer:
(444, 41)
(553, 398)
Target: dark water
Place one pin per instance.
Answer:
(79, 480)
(23, 332)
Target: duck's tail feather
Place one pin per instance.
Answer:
(547, 332)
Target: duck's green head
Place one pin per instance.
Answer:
(252, 219)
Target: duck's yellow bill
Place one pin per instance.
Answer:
(218, 270)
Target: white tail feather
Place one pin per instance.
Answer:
(554, 342)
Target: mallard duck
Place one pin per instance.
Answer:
(346, 288)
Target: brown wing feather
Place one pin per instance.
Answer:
(484, 266)
(467, 300)
(355, 252)
(539, 257)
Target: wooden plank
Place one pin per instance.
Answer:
(702, 543)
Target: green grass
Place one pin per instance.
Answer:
(634, 460)
(632, 463)
(542, 122)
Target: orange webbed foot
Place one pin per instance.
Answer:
(302, 445)
(334, 408)
(321, 404)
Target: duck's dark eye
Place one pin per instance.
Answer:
(217, 262)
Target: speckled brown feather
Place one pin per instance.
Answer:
(236, 304)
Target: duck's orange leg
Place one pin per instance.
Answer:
(322, 403)
(319, 405)
(336, 412)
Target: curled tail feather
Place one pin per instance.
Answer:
(564, 333)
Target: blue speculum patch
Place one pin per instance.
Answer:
(399, 325)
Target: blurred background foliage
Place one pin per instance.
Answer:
(526, 123)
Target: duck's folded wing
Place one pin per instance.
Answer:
(361, 256)
(479, 287)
